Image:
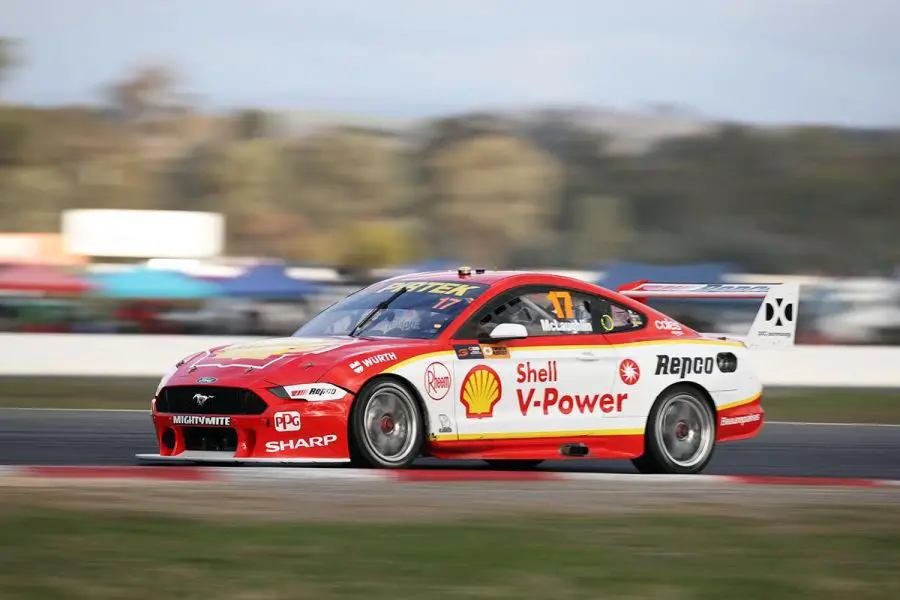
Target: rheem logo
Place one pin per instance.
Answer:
(287, 421)
(437, 381)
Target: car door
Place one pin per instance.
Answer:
(631, 345)
(556, 382)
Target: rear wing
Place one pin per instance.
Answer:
(775, 325)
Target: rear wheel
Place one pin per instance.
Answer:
(386, 426)
(681, 434)
(514, 464)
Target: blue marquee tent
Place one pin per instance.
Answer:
(267, 282)
(152, 284)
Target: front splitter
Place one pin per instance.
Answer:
(197, 456)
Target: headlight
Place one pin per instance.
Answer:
(311, 392)
(165, 379)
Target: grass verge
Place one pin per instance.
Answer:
(833, 406)
(823, 554)
(837, 406)
(77, 392)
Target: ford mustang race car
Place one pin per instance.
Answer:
(508, 367)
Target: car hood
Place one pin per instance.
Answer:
(286, 361)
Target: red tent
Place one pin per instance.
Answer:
(36, 278)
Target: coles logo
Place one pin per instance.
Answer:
(480, 391)
(287, 421)
(629, 372)
(670, 325)
(437, 381)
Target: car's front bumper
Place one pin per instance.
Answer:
(287, 432)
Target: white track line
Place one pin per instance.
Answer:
(257, 475)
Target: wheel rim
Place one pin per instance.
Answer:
(684, 430)
(389, 424)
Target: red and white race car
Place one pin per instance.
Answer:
(509, 367)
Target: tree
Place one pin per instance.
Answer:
(250, 124)
(149, 92)
(376, 244)
(245, 180)
(8, 58)
(494, 193)
(344, 175)
(31, 198)
(603, 231)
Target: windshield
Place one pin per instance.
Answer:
(422, 311)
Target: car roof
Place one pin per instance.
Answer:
(486, 276)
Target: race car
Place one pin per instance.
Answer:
(512, 368)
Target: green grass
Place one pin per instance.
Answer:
(96, 555)
(833, 406)
(844, 406)
(77, 392)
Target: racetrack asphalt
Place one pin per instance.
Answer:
(96, 437)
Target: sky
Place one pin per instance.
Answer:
(761, 61)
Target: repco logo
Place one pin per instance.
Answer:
(684, 366)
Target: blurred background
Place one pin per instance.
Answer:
(222, 168)
(229, 167)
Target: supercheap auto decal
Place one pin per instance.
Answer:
(442, 288)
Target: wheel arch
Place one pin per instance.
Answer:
(396, 378)
(648, 462)
(691, 385)
(404, 381)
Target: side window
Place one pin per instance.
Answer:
(543, 311)
(616, 318)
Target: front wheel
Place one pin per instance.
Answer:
(680, 435)
(386, 426)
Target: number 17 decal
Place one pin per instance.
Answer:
(445, 303)
(562, 304)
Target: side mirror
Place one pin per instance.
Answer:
(509, 331)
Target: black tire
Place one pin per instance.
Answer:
(669, 441)
(514, 464)
(394, 416)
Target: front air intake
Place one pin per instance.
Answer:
(210, 439)
(209, 400)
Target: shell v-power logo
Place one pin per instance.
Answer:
(480, 392)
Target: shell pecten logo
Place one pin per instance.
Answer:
(480, 391)
(266, 348)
